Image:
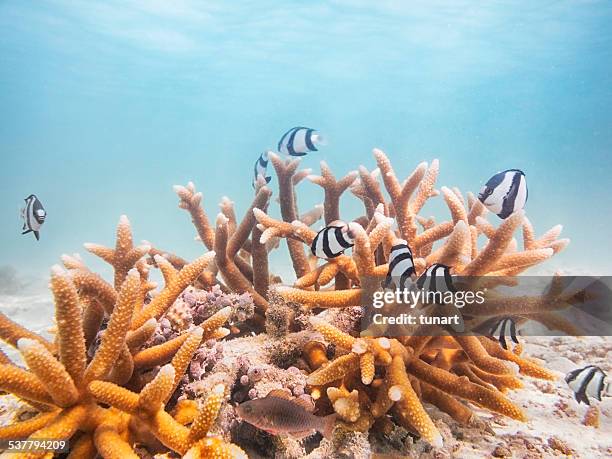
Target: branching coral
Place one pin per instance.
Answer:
(64, 385)
(99, 382)
(420, 367)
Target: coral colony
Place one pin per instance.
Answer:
(133, 370)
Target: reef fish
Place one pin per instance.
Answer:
(260, 168)
(33, 215)
(588, 382)
(332, 240)
(504, 328)
(401, 266)
(505, 193)
(299, 141)
(279, 413)
(436, 278)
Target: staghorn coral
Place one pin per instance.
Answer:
(118, 397)
(421, 367)
(124, 256)
(61, 382)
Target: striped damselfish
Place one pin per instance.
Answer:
(401, 266)
(333, 240)
(33, 215)
(260, 168)
(299, 140)
(505, 193)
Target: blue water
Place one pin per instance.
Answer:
(105, 106)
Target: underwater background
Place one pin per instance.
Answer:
(105, 106)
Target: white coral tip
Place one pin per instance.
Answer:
(198, 331)
(226, 201)
(57, 270)
(222, 219)
(360, 346)
(384, 342)
(144, 248)
(395, 393)
(167, 370)
(123, 220)
(134, 273)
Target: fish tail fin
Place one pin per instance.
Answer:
(581, 397)
(319, 139)
(26, 231)
(37, 235)
(328, 423)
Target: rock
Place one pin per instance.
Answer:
(559, 445)
(501, 451)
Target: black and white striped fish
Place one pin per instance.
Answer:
(333, 240)
(299, 141)
(260, 168)
(436, 278)
(505, 193)
(33, 215)
(588, 382)
(401, 266)
(502, 329)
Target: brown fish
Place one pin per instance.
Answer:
(279, 413)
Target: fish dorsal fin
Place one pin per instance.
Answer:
(280, 393)
(304, 404)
